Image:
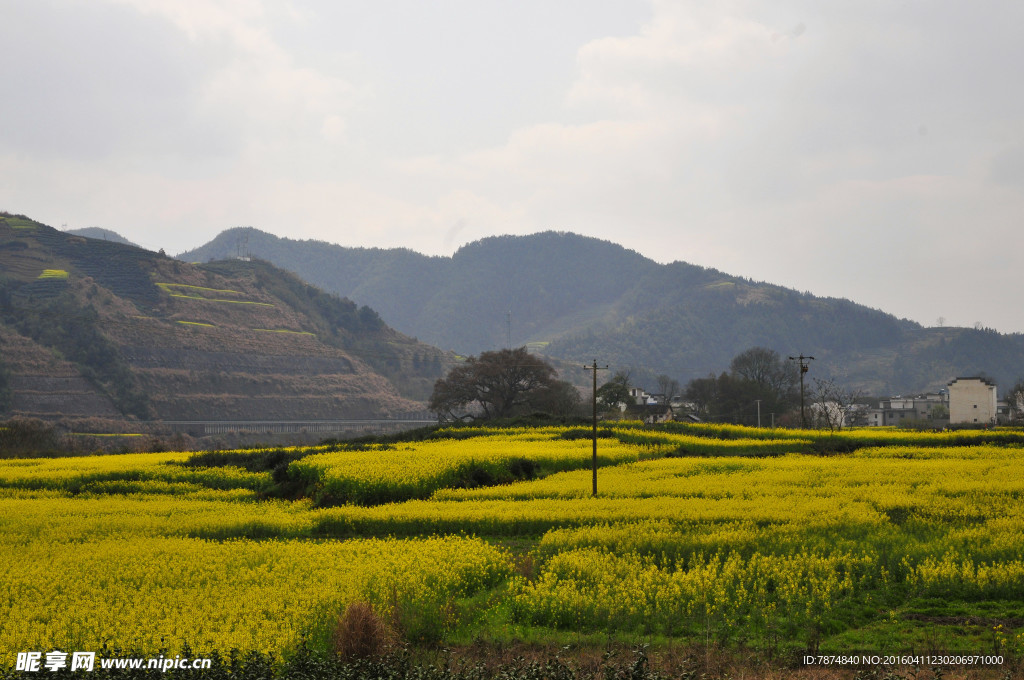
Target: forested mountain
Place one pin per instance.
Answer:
(581, 298)
(98, 329)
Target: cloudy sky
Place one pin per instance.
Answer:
(870, 149)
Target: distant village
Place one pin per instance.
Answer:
(964, 402)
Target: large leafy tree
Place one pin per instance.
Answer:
(615, 392)
(501, 384)
(757, 375)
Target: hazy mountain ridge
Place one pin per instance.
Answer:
(154, 338)
(583, 298)
(102, 234)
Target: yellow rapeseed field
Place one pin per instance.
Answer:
(710, 534)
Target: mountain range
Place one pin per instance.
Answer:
(579, 299)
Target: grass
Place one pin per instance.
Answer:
(234, 302)
(107, 434)
(19, 223)
(168, 288)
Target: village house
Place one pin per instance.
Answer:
(900, 409)
(972, 401)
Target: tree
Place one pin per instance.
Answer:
(767, 369)
(560, 398)
(669, 387)
(755, 375)
(703, 393)
(831, 404)
(614, 392)
(1015, 400)
(499, 385)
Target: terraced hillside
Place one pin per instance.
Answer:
(94, 328)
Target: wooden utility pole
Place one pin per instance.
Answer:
(803, 369)
(595, 368)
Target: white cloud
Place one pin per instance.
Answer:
(252, 87)
(797, 142)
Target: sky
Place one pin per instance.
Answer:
(871, 150)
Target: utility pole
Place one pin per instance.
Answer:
(758, 413)
(595, 368)
(803, 369)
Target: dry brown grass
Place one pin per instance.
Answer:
(525, 567)
(360, 633)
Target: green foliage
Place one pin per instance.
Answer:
(262, 460)
(614, 392)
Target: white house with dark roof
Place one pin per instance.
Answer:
(972, 401)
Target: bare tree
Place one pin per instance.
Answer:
(832, 404)
(668, 387)
(703, 392)
(766, 368)
(1015, 399)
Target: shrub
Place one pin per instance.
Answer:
(28, 437)
(361, 634)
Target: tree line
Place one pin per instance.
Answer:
(513, 382)
(760, 387)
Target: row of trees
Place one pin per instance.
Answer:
(755, 375)
(513, 382)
